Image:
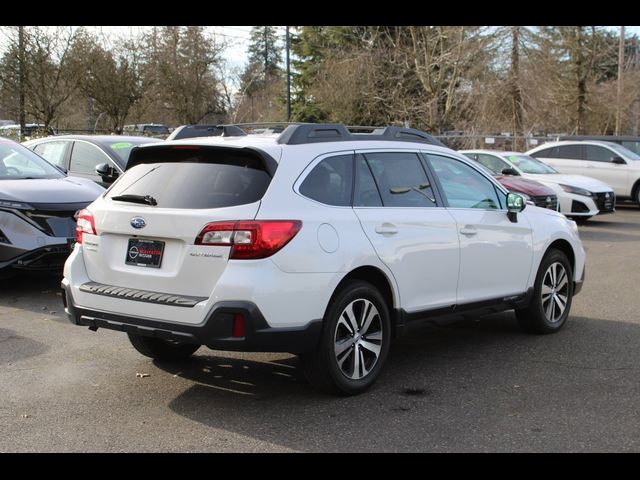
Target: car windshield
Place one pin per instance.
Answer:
(529, 164)
(625, 152)
(18, 162)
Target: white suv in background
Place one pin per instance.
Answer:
(608, 162)
(320, 242)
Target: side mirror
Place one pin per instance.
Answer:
(515, 204)
(510, 171)
(107, 172)
(618, 160)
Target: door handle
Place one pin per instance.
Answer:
(387, 229)
(468, 230)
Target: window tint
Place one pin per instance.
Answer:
(330, 182)
(463, 186)
(401, 179)
(53, 152)
(85, 157)
(366, 194)
(493, 163)
(570, 152)
(595, 153)
(546, 153)
(195, 178)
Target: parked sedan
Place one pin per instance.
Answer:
(38, 206)
(580, 197)
(83, 155)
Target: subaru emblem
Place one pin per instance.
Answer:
(138, 222)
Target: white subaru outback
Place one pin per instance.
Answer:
(320, 242)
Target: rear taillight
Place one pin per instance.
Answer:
(249, 239)
(85, 224)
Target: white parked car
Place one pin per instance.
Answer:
(319, 242)
(579, 196)
(607, 161)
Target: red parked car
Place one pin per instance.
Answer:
(531, 190)
(540, 195)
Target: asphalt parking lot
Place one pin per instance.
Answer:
(474, 387)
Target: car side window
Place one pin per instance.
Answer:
(401, 179)
(463, 186)
(366, 193)
(595, 153)
(570, 152)
(546, 153)
(52, 152)
(85, 157)
(331, 181)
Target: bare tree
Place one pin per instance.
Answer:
(50, 75)
(113, 79)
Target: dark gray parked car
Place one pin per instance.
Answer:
(80, 155)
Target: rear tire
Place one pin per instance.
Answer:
(552, 295)
(354, 344)
(160, 349)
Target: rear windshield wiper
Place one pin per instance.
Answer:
(128, 197)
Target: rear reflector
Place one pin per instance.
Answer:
(249, 239)
(238, 326)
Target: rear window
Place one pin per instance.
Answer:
(195, 178)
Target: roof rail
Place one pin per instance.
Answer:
(298, 134)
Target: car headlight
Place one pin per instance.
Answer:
(15, 205)
(577, 191)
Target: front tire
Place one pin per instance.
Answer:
(552, 295)
(160, 349)
(354, 343)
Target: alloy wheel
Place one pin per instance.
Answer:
(555, 292)
(358, 339)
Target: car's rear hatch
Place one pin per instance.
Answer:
(147, 223)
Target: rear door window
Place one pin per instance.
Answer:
(570, 152)
(195, 178)
(546, 153)
(401, 179)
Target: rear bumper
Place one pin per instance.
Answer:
(216, 332)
